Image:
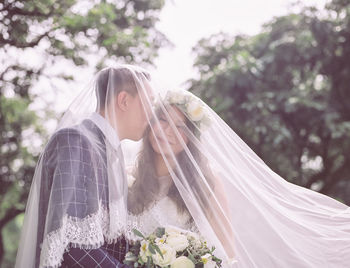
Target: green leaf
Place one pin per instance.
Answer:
(148, 264)
(160, 231)
(138, 233)
(151, 248)
(159, 251)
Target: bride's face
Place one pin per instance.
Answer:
(179, 120)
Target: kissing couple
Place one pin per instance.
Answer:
(129, 155)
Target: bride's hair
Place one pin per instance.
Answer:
(147, 181)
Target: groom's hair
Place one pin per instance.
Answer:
(111, 81)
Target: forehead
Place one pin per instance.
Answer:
(176, 114)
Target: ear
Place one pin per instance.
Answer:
(123, 100)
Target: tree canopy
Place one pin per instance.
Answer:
(285, 91)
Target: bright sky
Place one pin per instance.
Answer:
(185, 22)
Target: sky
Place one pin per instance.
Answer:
(185, 22)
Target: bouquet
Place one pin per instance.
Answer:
(171, 247)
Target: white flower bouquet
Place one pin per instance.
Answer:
(173, 248)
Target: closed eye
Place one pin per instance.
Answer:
(181, 127)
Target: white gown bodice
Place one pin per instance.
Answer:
(163, 212)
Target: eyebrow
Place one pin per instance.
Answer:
(175, 122)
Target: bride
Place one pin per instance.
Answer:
(163, 204)
(194, 172)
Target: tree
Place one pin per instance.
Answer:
(52, 32)
(285, 91)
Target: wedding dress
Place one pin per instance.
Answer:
(163, 212)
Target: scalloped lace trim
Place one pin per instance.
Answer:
(88, 233)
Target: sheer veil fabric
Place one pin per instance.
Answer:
(243, 208)
(249, 213)
(78, 194)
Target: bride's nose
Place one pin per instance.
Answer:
(168, 130)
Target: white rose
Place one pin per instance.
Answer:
(169, 255)
(144, 251)
(172, 230)
(182, 262)
(178, 242)
(195, 110)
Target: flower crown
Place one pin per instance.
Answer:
(193, 107)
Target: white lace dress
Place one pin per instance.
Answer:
(161, 214)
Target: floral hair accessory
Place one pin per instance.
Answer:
(193, 108)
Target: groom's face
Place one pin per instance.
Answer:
(140, 112)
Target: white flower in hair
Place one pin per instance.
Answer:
(176, 97)
(195, 110)
(191, 106)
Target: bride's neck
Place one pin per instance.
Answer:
(161, 168)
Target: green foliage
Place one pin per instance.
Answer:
(124, 29)
(52, 32)
(10, 236)
(285, 91)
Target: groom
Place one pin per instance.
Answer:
(121, 115)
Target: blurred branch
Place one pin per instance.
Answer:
(10, 215)
(4, 41)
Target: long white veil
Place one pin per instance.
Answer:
(238, 203)
(244, 209)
